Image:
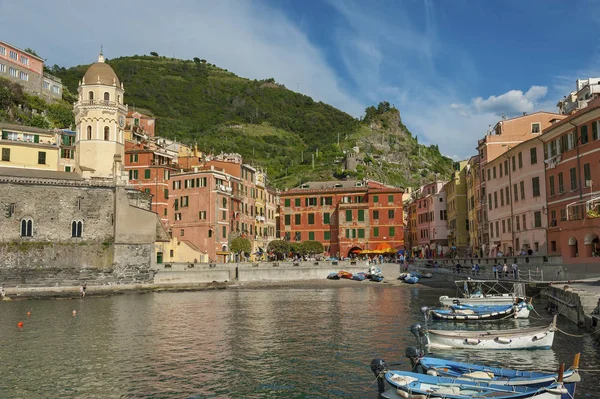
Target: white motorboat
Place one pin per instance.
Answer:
(485, 292)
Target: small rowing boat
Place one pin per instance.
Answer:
(405, 384)
(496, 375)
(482, 312)
(518, 338)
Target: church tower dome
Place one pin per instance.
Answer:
(101, 73)
(100, 120)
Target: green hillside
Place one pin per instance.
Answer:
(270, 126)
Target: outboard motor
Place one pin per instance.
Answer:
(378, 367)
(420, 333)
(414, 355)
(425, 311)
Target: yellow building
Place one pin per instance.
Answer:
(473, 200)
(28, 147)
(175, 251)
(456, 200)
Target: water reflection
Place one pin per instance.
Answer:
(271, 343)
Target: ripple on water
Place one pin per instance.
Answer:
(272, 343)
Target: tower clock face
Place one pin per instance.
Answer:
(121, 120)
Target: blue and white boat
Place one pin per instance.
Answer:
(406, 384)
(411, 279)
(495, 375)
(482, 312)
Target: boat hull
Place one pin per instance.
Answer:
(481, 313)
(495, 340)
(411, 385)
(482, 300)
(499, 376)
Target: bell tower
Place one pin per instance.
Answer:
(100, 120)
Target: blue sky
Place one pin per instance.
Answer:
(452, 67)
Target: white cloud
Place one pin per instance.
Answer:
(248, 38)
(511, 102)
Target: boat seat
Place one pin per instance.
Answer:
(403, 380)
(487, 375)
(448, 390)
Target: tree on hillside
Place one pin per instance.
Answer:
(311, 248)
(154, 53)
(196, 60)
(279, 247)
(239, 245)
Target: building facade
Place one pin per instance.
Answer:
(473, 206)
(506, 133)
(516, 201)
(347, 217)
(571, 152)
(456, 205)
(28, 147)
(27, 70)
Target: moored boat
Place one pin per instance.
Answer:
(482, 312)
(410, 279)
(519, 338)
(405, 384)
(485, 292)
(496, 375)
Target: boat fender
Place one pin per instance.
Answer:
(432, 372)
(472, 341)
(558, 390)
(402, 393)
(539, 336)
(502, 340)
(407, 395)
(575, 377)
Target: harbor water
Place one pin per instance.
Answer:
(293, 342)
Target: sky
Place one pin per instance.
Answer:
(452, 67)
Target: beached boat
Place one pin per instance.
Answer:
(485, 292)
(406, 384)
(496, 375)
(518, 338)
(482, 312)
(410, 279)
(333, 276)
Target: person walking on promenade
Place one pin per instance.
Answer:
(515, 270)
(495, 271)
(505, 270)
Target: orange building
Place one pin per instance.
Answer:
(345, 216)
(149, 168)
(201, 204)
(572, 153)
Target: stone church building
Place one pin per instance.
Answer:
(65, 228)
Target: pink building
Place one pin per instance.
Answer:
(506, 134)
(431, 231)
(516, 200)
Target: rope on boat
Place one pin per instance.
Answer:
(578, 335)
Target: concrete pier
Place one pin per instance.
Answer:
(577, 301)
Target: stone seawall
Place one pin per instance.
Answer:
(42, 264)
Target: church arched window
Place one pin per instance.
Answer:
(106, 97)
(26, 228)
(106, 133)
(119, 99)
(91, 95)
(76, 228)
(89, 132)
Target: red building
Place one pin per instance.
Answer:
(345, 216)
(139, 123)
(201, 204)
(149, 168)
(572, 153)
